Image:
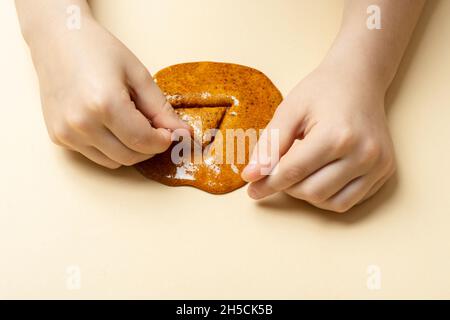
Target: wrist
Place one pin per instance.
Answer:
(350, 59)
(42, 21)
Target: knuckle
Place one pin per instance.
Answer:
(99, 99)
(113, 166)
(340, 207)
(62, 133)
(128, 162)
(143, 75)
(78, 121)
(138, 142)
(389, 162)
(167, 108)
(386, 162)
(293, 194)
(393, 168)
(53, 138)
(100, 103)
(102, 109)
(313, 195)
(123, 96)
(292, 174)
(130, 159)
(344, 139)
(372, 149)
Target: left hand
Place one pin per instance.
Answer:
(335, 149)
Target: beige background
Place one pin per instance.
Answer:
(133, 238)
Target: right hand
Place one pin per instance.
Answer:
(99, 99)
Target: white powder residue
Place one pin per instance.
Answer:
(186, 118)
(183, 174)
(172, 97)
(205, 95)
(235, 100)
(234, 168)
(215, 168)
(186, 171)
(209, 161)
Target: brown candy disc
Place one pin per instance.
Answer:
(209, 95)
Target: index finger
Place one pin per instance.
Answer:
(133, 129)
(151, 101)
(302, 159)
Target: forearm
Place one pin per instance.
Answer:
(47, 17)
(374, 55)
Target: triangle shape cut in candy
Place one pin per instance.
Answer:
(219, 96)
(202, 119)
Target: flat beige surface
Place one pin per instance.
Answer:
(132, 238)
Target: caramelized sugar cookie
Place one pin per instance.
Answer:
(226, 105)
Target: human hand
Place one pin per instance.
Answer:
(98, 98)
(335, 147)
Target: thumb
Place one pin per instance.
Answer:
(152, 103)
(274, 142)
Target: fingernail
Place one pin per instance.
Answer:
(185, 125)
(265, 159)
(168, 131)
(253, 193)
(248, 171)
